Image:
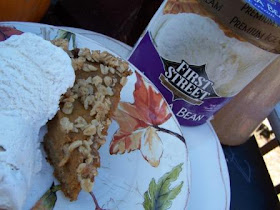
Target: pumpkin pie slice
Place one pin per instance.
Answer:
(80, 126)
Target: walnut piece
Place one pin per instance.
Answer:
(66, 125)
(67, 108)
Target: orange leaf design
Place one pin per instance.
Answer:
(150, 103)
(138, 123)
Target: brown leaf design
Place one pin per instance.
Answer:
(6, 32)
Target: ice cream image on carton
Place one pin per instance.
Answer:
(229, 63)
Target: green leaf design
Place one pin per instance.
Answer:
(61, 34)
(159, 195)
(48, 200)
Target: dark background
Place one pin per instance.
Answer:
(124, 20)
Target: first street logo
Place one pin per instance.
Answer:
(187, 82)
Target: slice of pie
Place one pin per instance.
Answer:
(80, 127)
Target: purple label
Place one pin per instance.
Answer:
(186, 87)
(270, 8)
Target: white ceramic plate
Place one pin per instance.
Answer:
(210, 185)
(155, 175)
(116, 46)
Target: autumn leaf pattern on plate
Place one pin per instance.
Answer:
(48, 200)
(159, 196)
(6, 32)
(139, 123)
(62, 34)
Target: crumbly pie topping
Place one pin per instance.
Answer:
(94, 93)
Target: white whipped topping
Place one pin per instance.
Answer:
(33, 75)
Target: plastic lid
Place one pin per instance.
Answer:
(269, 8)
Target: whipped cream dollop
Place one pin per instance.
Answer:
(33, 75)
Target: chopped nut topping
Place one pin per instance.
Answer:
(86, 184)
(114, 62)
(89, 67)
(85, 90)
(62, 43)
(110, 91)
(101, 141)
(88, 101)
(89, 80)
(103, 54)
(94, 122)
(96, 80)
(83, 168)
(85, 53)
(68, 149)
(82, 82)
(67, 108)
(90, 130)
(108, 80)
(98, 107)
(107, 102)
(108, 122)
(99, 131)
(78, 63)
(93, 90)
(104, 69)
(96, 145)
(102, 90)
(123, 81)
(112, 70)
(122, 68)
(75, 145)
(105, 90)
(70, 99)
(66, 125)
(107, 59)
(95, 55)
(81, 123)
(115, 80)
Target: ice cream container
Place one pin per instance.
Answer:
(201, 53)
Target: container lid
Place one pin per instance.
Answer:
(269, 8)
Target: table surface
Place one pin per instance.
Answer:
(251, 186)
